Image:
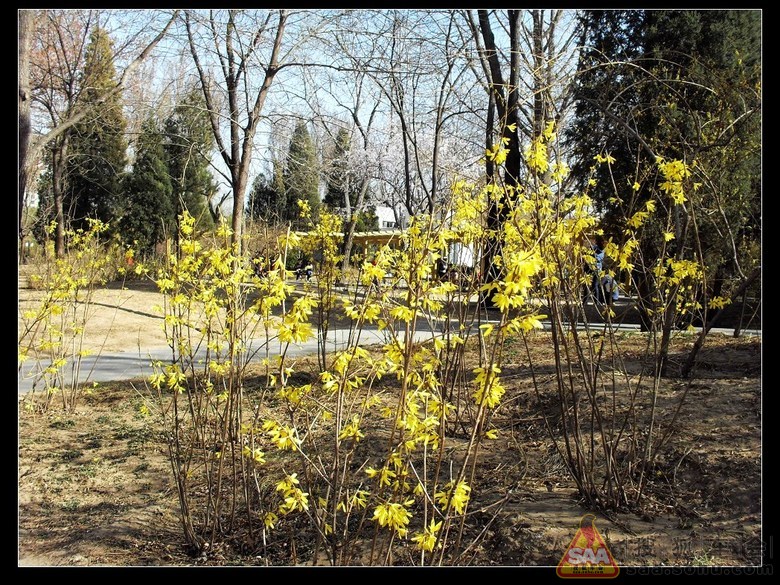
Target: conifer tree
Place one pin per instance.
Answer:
(189, 145)
(301, 176)
(267, 200)
(149, 213)
(98, 157)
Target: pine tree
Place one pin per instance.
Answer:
(678, 84)
(609, 36)
(149, 215)
(367, 219)
(266, 203)
(301, 176)
(98, 148)
(717, 122)
(188, 146)
(340, 188)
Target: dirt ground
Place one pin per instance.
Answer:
(119, 318)
(95, 487)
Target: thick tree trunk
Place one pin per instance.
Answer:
(26, 21)
(237, 152)
(505, 98)
(239, 197)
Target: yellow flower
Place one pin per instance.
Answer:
(427, 539)
(255, 455)
(284, 438)
(455, 499)
(352, 430)
(536, 156)
(393, 515)
(718, 302)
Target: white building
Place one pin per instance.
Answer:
(385, 218)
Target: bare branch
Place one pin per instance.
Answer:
(79, 114)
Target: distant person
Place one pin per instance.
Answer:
(300, 270)
(593, 266)
(608, 289)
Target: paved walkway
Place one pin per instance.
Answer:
(133, 364)
(129, 365)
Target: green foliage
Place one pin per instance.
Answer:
(608, 36)
(98, 146)
(149, 216)
(367, 220)
(301, 173)
(188, 147)
(677, 84)
(266, 202)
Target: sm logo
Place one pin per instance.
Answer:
(587, 556)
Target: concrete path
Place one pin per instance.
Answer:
(132, 364)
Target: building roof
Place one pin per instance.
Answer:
(379, 237)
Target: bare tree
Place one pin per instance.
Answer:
(354, 96)
(232, 44)
(425, 78)
(537, 63)
(61, 40)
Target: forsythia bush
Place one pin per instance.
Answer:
(360, 456)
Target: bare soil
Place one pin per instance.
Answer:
(119, 317)
(95, 486)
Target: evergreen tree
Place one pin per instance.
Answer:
(265, 202)
(301, 176)
(189, 145)
(680, 84)
(340, 188)
(149, 215)
(98, 148)
(612, 42)
(367, 220)
(717, 121)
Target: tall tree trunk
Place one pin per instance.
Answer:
(505, 97)
(237, 153)
(26, 22)
(490, 125)
(59, 156)
(350, 235)
(538, 75)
